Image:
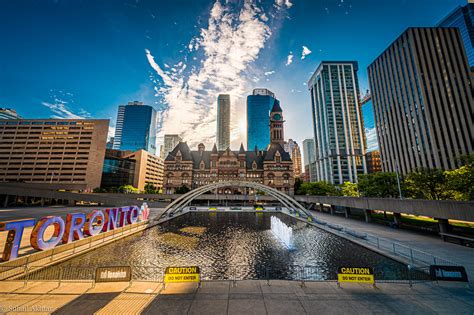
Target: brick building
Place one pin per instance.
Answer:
(272, 167)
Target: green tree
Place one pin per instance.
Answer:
(424, 183)
(349, 189)
(128, 189)
(318, 189)
(379, 185)
(460, 182)
(150, 189)
(182, 190)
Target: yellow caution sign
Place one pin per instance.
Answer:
(182, 274)
(353, 274)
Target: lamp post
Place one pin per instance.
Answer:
(398, 179)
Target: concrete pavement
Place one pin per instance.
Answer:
(247, 297)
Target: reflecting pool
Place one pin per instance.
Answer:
(237, 245)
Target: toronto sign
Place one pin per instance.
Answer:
(76, 226)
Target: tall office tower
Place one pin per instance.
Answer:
(223, 121)
(8, 113)
(371, 143)
(277, 134)
(463, 18)
(374, 164)
(259, 105)
(423, 100)
(289, 145)
(309, 158)
(296, 158)
(62, 153)
(110, 143)
(170, 142)
(119, 127)
(136, 128)
(293, 149)
(337, 122)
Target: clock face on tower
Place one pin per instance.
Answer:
(277, 117)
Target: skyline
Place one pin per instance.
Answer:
(211, 55)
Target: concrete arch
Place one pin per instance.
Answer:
(284, 199)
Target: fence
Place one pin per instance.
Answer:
(237, 273)
(15, 268)
(411, 255)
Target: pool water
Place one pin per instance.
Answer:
(238, 245)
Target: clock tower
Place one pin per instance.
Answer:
(276, 124)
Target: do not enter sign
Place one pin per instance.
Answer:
(182, 274)
(351, 274)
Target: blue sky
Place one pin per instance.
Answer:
(84, 58)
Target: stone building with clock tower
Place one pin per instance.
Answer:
(276, 124)
(272, 167)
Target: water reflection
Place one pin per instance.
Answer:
(241, 245)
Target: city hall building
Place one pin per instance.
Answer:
(272, 167)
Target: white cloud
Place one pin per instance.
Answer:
(283, 3)
(305, 52)
(230, 43)
(61, 111)
(371, 135)
(111, 133)
(289, 59)
(60, 104)
(269, 73)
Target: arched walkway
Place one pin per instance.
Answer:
(284, 199)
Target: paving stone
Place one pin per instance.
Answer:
(246, 307)
(208, 307)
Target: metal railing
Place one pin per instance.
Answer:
(303, 274)
(411, 255)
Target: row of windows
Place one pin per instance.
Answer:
(49, 123)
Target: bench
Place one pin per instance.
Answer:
(464, 240)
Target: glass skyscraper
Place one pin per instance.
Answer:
(369, 123)
(309, 159)
(463, 18)
(337, 122)
(259, 105)
(137, 128)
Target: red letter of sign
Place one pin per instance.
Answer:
(74, 224)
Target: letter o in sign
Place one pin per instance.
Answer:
(37, 235)
(89, 228)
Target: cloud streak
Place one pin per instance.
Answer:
(60, 109)
(231, 42)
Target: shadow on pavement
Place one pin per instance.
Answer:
(88, 303)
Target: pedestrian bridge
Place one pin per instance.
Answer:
(184, 200)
